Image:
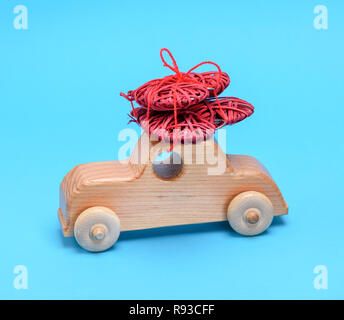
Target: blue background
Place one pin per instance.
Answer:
(60, 106)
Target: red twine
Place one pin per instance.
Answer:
(196, 123)
(184, 106)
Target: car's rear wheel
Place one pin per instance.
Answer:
(250, 213)
(97, 229)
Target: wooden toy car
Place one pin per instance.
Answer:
(98, 200)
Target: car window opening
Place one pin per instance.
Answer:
(167, 165)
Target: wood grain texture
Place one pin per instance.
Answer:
(200, 193)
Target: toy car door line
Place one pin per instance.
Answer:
(98, 200)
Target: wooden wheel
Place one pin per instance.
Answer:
(97, 229)
(250, 213)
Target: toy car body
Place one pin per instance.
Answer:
(98, 200)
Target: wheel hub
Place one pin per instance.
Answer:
(98, 232)
(252, 216)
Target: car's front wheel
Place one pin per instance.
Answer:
(97, 229)
(250, 213)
